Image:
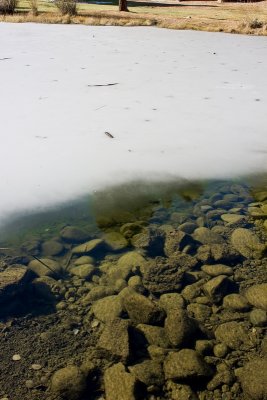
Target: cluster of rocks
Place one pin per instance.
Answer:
(173, 308)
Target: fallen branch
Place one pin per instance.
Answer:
(109, 135)
(104, 84)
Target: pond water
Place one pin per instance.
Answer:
(134, 190)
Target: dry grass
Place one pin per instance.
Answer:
(246, 18)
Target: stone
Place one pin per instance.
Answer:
(98, 292)
(204, 347)
(48, 288)
(185, 364)
(200, 312)
(253, 378)
(72, 234)
(150, 240)
(115, 339)
(13, 281)
(84, 271)
(150, 372)
(131, 259)
(220, 350)
(140, 309)
(217, 269)
(215, 253)
(247, 243)
(257, 295)
(130, 229)
(188, 227)
(177, 241)
(233, 218)
(180, 328)
(45, 267)
(163, 275)
(233, 335)
(84, 260)
(171, 301)
(69, 383)
(258, 317)
(89, 247)
(154, 335)
(31, 247)
(52, 248)
(119, 384)
(236, 302)
(157, 353)
(206, 236)
(224, 377)
(178, 391)
(107, 309)
(115, 241)
(216, 288)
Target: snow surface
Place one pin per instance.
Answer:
(186, 104)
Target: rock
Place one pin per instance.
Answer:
(171, 301)
(69, 383)
(233, 335)
(247, 243)
(236, 302)
(107, 309)
(179, 391)
(217, 288)
(84, 260)
(73, 234)
(150, 240)
(176, 241)
(224, 377)
(265, 224)
(220, 350)
(98, 292)
(253, 378)
(89, 247)
(232, 218)
(31, 247)
(188, 227)
(206, 236)
(13, 281)
(258, 317)
(140, 309)
(201, 312)
(84, 271)
(119, 384)
(149, 372)
(257, 295)
(131, 228)
(204, 347)
(115, 339)
(185, 364)
(161, 275)
(52, 248)
(180, 328)
(132, 259)
(115, 241)
(214, 253)
(48, 288)
(154, 335)
(217, 269)
(157, 353)
(45, 267)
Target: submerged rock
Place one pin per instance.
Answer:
(107, 309)
(69, 383)
(217, 288)
(115, 339)
(180, 328)
(247, 243)
(89, 247)
(154, 335)
(83, 271)
(120, 385)
(257, 295)
(45, 267)
(150, 372)
(52, 248)
(253, 378)
(115, 241)
(13, 281)
(73, 234)
(233, 335)
(206, 236)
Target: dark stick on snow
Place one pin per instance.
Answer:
(105, 84)
(5, 58)
(109, 135)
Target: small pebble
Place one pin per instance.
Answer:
(16, 357)
(76, 331)
(29, 384)
(95, 323)
(36, 367)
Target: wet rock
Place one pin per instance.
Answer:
(150, 240)
(124, 268)
(258, 317)
(220, 350)
(115, 339)
(69, 383)
(107, 309)
(257, 295)
(120, 385)
(131, 259)
(52, 248)
(154, 335)
(84, 260)
(31, 247)
(171, 301)
(217, 269)
(115, 241)
(130, 229)
(89, 247)
(178, 391)
(217, 253)
(232, 218)
(185, 364)
(84, 271)
(98, 292)
(161, 275)
(236, 302)
(224, 377)
(188, 227)
(177, 241)
(204, 347)
(192, 291)
(217, 288)
(253, 378)
(206, 236)
(157, 353)
(45, 267)
(180, 328)
(13, 281)
(247, 243)
(48, 288)
(140, 309)
(73, 234)
(233, 335)
(199, 311)
(149, 372)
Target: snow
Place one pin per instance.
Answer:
(186, 104)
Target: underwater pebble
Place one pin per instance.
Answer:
(16, 357)
(76, 331)
(95, 323)
(29, 384)
(36, 367)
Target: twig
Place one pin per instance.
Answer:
(98, 108)
(5, 58)
(109, 135)
(104, 84)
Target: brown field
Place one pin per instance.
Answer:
(246, 18)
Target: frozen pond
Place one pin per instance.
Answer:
(181, 103)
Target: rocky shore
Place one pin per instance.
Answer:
(169, 307)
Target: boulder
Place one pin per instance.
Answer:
(206, 236)
(107, 309)
(217, 269)
(180, 328)
(154, 335)
(45, 267)
(247, 243)
(13, 281)
(52, 248)
(253, 378)
(115, 241)
(258, 317)
(171, 301)
(89, 247)
(69, 383)
(178, 391)
(236, 302)
(73, 234)
(119, 384)
(233, 335)
(217, 288)
(257, 295)
(83, 271)
(115, 339)
(177, 241)
(150, 372)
